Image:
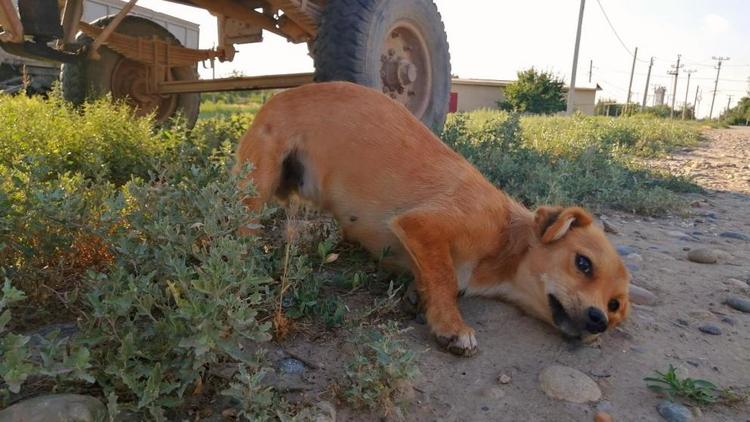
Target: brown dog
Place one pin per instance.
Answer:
(392, 184)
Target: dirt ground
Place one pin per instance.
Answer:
(666, 332)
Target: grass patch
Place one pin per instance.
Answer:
(697, 392)
(593, 161)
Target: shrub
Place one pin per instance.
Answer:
(105, 141)
(380, 370)
(579, 160)
(534, 92)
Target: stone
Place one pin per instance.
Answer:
(624, 250)
(569, 384)
(602, 417)
(735, 235)
(325, 412)
(641, 296)
(674, 412)
(633, 261)
(291, 366)
(710, 329)
(56, 408)
(728, 320)
(504, 379)
(735, 283)
(609, 228)
(703, 256)
(740, 304)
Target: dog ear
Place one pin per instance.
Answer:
(554, 222)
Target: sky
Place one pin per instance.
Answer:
(494, 39)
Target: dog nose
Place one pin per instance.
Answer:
(597, 321)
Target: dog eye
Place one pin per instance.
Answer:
(584, 265)
(613, 305)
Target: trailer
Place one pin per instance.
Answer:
(37, 76)
(396, 46)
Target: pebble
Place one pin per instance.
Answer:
(633, 262)
(641, 296)
(710, 329)
(735, 235)
(624, 250)
(291, 366)
(504, 379)
(735, 283)
(324, 412)
(569, 384)
(602, 417)
(703, 256)
(728, 320)
(674, 412)
(740, 304)
(56, 408)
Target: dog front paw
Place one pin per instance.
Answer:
(463, 343)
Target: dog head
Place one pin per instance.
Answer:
(580, 282)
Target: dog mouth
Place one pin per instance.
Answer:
(562, 319)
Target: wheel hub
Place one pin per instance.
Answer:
(406, 72)
(130, 83)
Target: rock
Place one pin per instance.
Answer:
(737, 284)
(710, 329)
(56, 408)
(624, 250)
(727, 320)
(674, 412)
(291, 366)
(735, 235)
(609, 228)
(633, 261)
(602, 417)
(605, 406)
(326, 412)
(504, 379)
(569, 384)
(641, 296)
(740, 304)
(703, 256)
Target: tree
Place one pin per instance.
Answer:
(534, 92)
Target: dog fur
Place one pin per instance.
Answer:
(391, 183)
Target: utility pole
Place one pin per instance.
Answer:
(676, 73)
(591, 66)
(572, 87)
(716, 84)
(687, 89)
(648, 79)
(729, 100)
(630, 84)
(695, 102)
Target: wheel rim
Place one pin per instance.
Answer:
(406, 68)
(130, 84)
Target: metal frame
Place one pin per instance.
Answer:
(297, 22)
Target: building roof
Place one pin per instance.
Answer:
(505, 82)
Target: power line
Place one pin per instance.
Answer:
(622, 43)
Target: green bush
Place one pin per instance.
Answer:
(580, 160)
(380, 371)
(104, 141)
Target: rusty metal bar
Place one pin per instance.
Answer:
(109, 29)
(11, 23)
(236, 84)
(71, 16)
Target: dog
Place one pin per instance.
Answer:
(393, 185)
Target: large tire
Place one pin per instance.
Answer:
(397, 46)
(91, 79)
